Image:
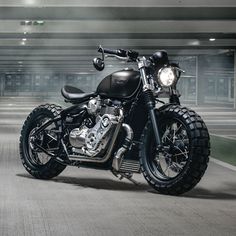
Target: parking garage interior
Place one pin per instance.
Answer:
(45, 45)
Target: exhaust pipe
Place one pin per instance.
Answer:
(125, 147)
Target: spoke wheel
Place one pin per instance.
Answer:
(181, 162)
(35, 148)
(46, 139)
(171, 160)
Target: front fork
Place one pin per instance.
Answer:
(149, 101)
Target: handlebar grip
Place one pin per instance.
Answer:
(133, 55)
(108, 51)
(121, 53)
(118, 52)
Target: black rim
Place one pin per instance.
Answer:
(170, 162)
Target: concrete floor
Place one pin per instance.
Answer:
(89, 202)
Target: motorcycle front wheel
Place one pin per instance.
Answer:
(180, 163)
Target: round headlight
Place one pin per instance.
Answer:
(166, 76)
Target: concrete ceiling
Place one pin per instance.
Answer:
(72, 30)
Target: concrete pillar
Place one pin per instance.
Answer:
(196, 99)
(200, 83)
(2, 80)
(229, 90)
(234, 79)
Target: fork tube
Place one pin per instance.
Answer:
(149, 101)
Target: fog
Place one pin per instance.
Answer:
(61, 51)
(208, 79)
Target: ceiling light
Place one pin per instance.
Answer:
(26, 22)
(212, 39)
(22, 43)
(40, 21)
(194, 43)
(82, 73)
(32, 22)
(24, 39)
(20, 62)
(30, 2)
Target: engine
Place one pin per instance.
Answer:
(94, 141)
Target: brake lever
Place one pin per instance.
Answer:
(109, 55)
(122, 58)
(119, 58)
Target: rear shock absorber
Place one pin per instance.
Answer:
(150, 103)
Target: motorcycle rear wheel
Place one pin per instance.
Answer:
(183, 160)
(37, 163)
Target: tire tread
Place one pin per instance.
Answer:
(52, 168)
(200, 151)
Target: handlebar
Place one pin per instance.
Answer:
(132, 55)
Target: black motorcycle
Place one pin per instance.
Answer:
(124, 126)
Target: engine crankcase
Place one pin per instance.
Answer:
(94, 140)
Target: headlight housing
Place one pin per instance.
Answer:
(166, 76)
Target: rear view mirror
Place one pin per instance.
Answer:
(98, 63)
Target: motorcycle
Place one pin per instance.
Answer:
(124, 126)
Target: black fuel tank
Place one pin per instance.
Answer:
(121, 84)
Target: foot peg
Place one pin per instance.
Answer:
(127, 176)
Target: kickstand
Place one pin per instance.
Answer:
(127, 176)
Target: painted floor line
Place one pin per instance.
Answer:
(227, 136)
(224, 164)
(219, 121)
